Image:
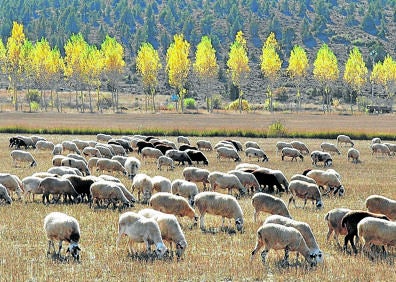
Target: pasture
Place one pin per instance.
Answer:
(211, 256)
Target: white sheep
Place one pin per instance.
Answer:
(305, 231)
(62, 227)
(45, 145)
(306, 191)
(247, 179)
(376, 140)
(140, 229)
(319, 156)
(246, 166)
(327, 178)
(227, 153)
(36, 138)
(105, 150)
(108, 165)
(223, 205)
(143, 184)
(58, 186)
(62, 170)
(227, 181)
(303, 178)
(92, 163)
(108, 190)
(132, 166)
(4, 194)
(81, 144)
(263, 202)
(165, 161)
(31, 186)
(344, 139)
(354, 155)
(279, 237)
(251, 144)
(185, 189)
(58, 149)
(281, 144)
(183, 140)
(22, 156)
(161, 184)
(300, 146)
(256, 153)
(91, 152)
(71, 147)
(380, 148)
(382, 205)
(102, 137)
(79, 164)
(333, 219)
(57, 160)
(392, 148)
(170, 229)
(120, 159)
(329, 147)
(292, 153)
(204, 145)
(223, 143)
(12, 183)
(118, 150)
(197, 175)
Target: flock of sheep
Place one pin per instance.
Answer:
(71, 177)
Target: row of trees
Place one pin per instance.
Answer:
(84, 67)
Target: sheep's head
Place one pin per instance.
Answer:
(180, 248)
(161, 249)
(319, 256)
(74, 250)
(312, 259)
(328, 162)
(319, 204)
(341, 191)
(239, 224)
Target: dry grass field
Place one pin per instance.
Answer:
(216, 256)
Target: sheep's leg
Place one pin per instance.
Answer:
(50, 243)
(255, 215)
(258, 246)
(59, 250)
(264, 255)
(285, 261)
(202, 221)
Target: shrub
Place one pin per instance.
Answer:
(235, 105)
(276, 129)
(189, 103)
(34, 106)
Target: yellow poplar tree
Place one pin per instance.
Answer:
(55, 69)
(384, 74)
(238, 64)
(355, 74)
(326, 71)
(206, 66)
(270, 64)
(148, 64)
(113, 54)
(298, 68)
(178, 65)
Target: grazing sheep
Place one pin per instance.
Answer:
(185, 147)
(143, 184)
(143, 144)
(329, 178)
(382, 205)
(58, 149)
(108, 190)
(329, 147)
(344, 139)
(62, 227)
(31, 186)
(123, 142)
(247, 167)
(263, 202)
(333, 219)
(57, 160)
(62, 170)
(132, 166)
(118, 149)
(197, 156)
(237, 145)
(101, 137)
(71, 147)
(45, 145)
(225, 181)
(376, 140)
(4, 194)
(375, 231)
(251, 144)
(300, 146)
(183, 140)
(179, 156)
(392, 148)
(12, 183)
(204, 145)
(224, 144)
(58, 186)
(279, 237)
(281, 144)
(256, 153)
(163, 148)
(185, 189)
(92, 163)
(303, 178)
(105, 150)
(247, 179)
(91, 152)
(282, 180)
(109, 165)
(350, 221)
(81, 184)
(268, 179)
(79, 164)
(22, 156)
(223, 205)
(227, 153)
(197, 175)
(306, 191)
(170, 229)
(172, 204)
(140, 229)
(120, 159)
(305, 231)
(152, 153)
(161, 184)
(165, 161)
(81, 144)
(353, 154)
(292, 153)
(380, 148)
(22, 141)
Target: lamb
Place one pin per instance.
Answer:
(108, 190)
(185, 189)
(31, 186)
(62, 227)
(392, 148)
(183, 140)
(281, 144)
(101, 137)
(179, 156)
(170, 229)
(91, 152)
(71, 147)
(382, 205)
(165, 161)
(105, 150)
(333, 219)
(143, 184)
(247, 179)
(292, 153)
(225, 181)
(45, 145)
(79, 164)
(380, 148)
(161, 184)
(172, 204)
(22, 156)
(197, 156)
(12, 183)
(141, 230)
(306, 191)
(227, 153)
(58, 186)
(350, 222)
(318, 156)
(109, 165)
(300, 146)
(305, 231)
(251, 144)
(263, 202)
(344, 139)
(329, 178)
(152, 153)
(256, 153)
(303, 178)
(329, 147)
(377, 232)
(4, 194)
(197, 175)
(278, 237)
(353, 154)
(132, 166)
(219, 204)
(267, 178)
(58, 149)
(204, 145)
(62, 170)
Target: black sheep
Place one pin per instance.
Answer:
(185, 147)
(197, 156)
(81, 184)
(266, 179)
(163, 147)
(143, 144)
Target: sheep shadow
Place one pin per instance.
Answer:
(150, 256)
(56, 258)
(223, 229)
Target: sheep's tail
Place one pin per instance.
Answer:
(326, 217)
